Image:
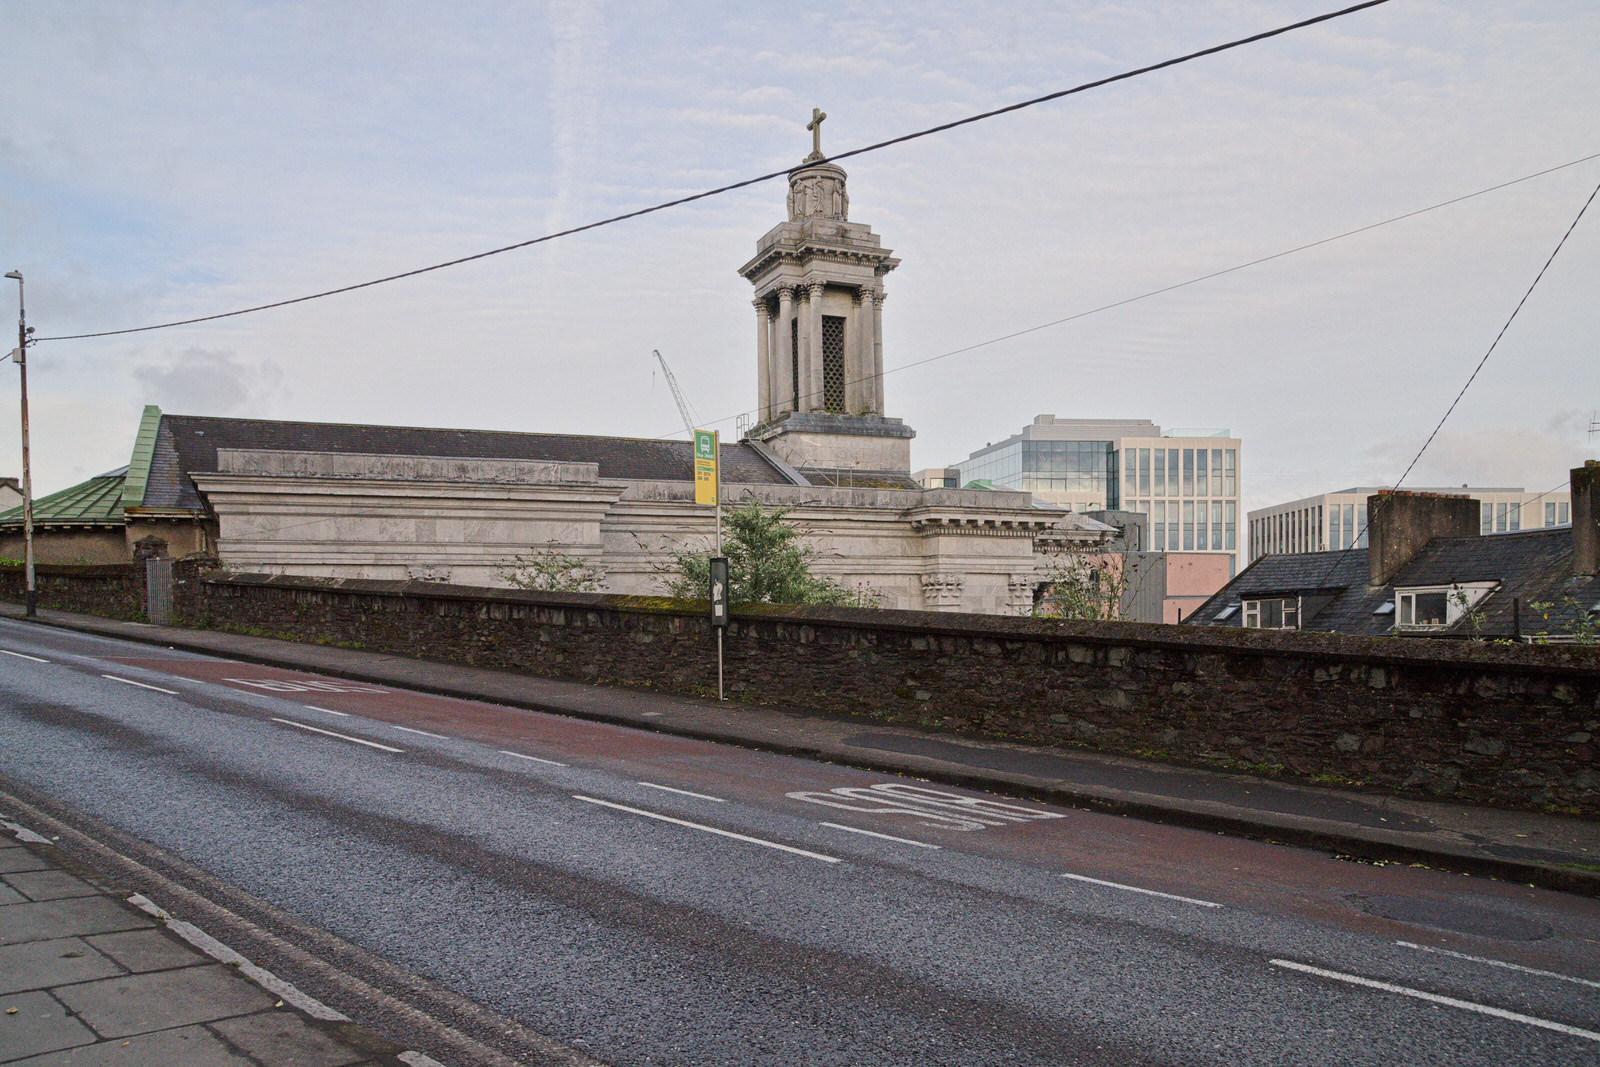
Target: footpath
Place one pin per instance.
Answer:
(89, 979)
(53, 949)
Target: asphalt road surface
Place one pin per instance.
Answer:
(647, 899)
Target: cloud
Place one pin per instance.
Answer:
(203, 381)
(1492, 456)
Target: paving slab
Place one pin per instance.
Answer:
(148, 950)
(48, 885)
(190, 1046)
(281, 1039)
(75, 917)
(42, 964)
(10, 896)
(160, 1000)
(19, 859)
(35, 1022)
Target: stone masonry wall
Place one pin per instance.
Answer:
(1508, 725)
(115, 590)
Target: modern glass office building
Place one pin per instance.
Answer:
(1186, 481)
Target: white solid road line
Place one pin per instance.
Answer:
(342, 737)
(23, 655)
(1146, 892)
(874, 833)
(222, 953)
(1435, 998)
(531, 759)
(1500, 963)
(708, 829)
(424, 733)
(683, 792)
(141, 685)
(326, 711)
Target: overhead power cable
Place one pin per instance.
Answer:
(942, 127)
(1125, 301)
(1474, 375)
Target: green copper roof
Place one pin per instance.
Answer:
(144, 447)
(97, 501)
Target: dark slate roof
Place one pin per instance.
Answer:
(849, 478)
(1531, 567)
(96, 502)
(187, 443)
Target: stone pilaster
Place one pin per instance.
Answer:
(860, 381)
(878, 297)
(764, 363)
(816, 399)
(784, 391)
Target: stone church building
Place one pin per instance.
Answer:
(385, 502)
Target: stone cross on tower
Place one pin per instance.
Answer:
(815, 126)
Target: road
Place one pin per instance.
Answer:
(648, 899)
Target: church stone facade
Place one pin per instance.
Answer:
(376, 502)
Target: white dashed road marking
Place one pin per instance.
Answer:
(708, 829)
(530, 759)
(1146, 892)
(683, 792)
(1500, 963)
(141, 685)
(874, 833)
(1435, 998)
(342, 737)
(23, 655)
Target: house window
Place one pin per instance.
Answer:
(1281, 613)
(1439, 606)
(1424, 609)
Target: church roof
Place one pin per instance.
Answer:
(187, 443)
(96, 502)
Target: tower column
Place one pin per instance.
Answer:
(859, 378)
(877, 349)
(783, 390)
(816, 398)
(764, 374)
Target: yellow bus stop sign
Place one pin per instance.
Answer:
(705, 467)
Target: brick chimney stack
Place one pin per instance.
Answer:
(1400, 524)
(1585, 519)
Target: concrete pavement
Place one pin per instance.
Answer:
(1551, 851)
(88, 978)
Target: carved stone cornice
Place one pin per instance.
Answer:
(929, 523)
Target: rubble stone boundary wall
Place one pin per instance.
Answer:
(1510, 725)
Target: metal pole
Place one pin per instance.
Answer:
(716, 445)
(27, 476)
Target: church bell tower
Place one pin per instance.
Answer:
(819, 329)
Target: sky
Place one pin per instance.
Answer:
(168, 160)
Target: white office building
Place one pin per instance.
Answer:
(1335, 521)
(1187, 482)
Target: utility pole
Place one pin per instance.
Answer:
(21, 357)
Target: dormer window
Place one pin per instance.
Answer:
(1437, 607)
(1273, 613)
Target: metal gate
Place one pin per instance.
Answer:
(158, 591)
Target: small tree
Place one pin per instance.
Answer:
(1084, 585)
(768, 563)
(549, 571)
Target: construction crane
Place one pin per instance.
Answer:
(689, 418)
